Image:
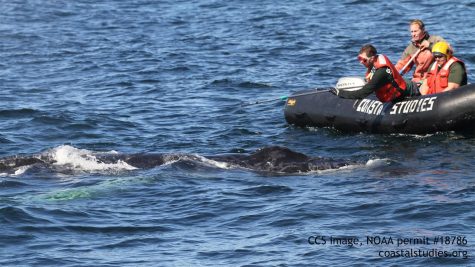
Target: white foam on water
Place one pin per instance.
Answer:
(346, 167)
(214, 163)
(370, 163)
(377, 162)
(21, 170)
(170, 159)
(84, 160)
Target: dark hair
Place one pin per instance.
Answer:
(369, 50)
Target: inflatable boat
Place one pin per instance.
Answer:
(449, 111)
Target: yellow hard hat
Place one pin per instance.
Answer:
(441, 48)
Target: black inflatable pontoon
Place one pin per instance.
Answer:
(449, 111)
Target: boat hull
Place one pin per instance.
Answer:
(449, 111)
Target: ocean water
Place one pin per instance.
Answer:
(118, 120)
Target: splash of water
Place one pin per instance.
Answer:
(84, 160)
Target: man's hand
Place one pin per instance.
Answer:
(424, 45)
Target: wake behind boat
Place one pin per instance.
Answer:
(449, 111)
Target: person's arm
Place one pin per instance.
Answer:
(405, 57)
(456, 75)
(380, 78)
(424, 88)
(451, 86)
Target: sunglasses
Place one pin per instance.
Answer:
(438, 55)
(363, 60)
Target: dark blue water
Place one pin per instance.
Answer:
(82, 80)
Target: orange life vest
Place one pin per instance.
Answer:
(393, 89)
(422, 61)
(438, 80)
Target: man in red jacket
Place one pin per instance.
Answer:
(382, 78)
